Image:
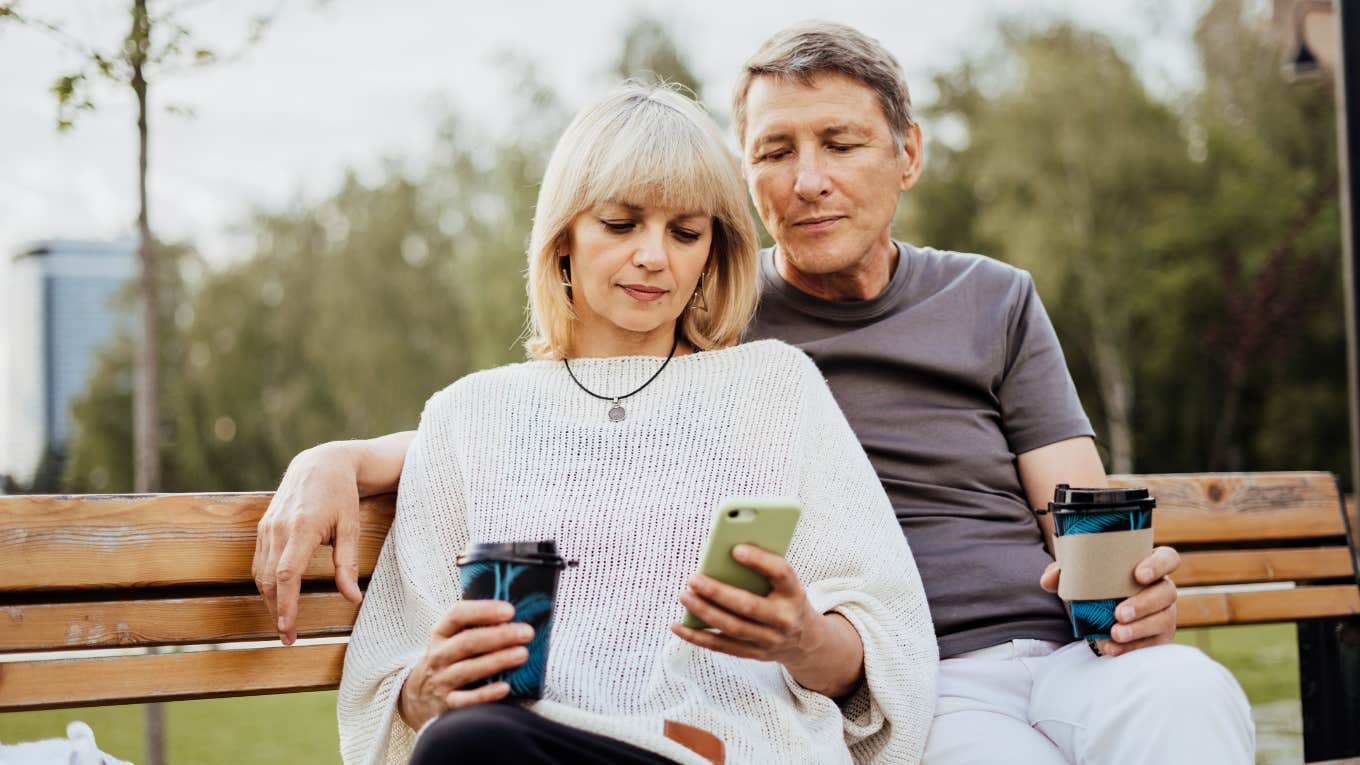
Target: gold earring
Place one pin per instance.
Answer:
(697, 301)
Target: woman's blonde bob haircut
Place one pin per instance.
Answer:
(647, 146)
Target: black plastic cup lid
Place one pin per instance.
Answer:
(1069, 499)
(542, 553)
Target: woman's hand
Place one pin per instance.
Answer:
(823, 652)
(474, 640)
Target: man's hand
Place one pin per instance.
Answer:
(1145, 618)
(316, 503)
(823, 652)
(474, 641)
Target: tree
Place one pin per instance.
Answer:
(154, 44)
(1186, 247)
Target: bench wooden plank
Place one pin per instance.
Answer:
(166, 621)
(86, 542)
(1217, 609)
(1242, 507)
(168, 677)
(1241, 566)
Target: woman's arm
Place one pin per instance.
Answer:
(317, 503)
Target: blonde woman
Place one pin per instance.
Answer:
(637, 416)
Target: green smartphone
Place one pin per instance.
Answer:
(766, 522)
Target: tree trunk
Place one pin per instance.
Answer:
(1116, 394)
(145, 418)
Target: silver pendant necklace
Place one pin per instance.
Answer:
(616, 410)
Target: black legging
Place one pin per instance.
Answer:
(508, 733)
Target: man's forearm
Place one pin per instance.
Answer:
(378, 461)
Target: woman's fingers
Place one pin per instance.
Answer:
(729, 623)
(472, 613)
(475, 641)
(463, 673)
(717, 642)
(483, 695)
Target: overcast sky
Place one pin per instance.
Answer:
(343, 84)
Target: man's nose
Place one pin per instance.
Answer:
(812, 182)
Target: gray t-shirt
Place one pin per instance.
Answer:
(945, 377)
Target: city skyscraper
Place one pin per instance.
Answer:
(58, 312)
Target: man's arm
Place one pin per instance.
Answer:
(317, 503)
(1146, 618)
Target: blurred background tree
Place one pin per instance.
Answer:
(1186, 246)
(1188, 250)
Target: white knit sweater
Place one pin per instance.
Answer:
(520, 452)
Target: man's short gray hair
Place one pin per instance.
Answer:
(803, 51)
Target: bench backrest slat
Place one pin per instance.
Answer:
(72, 542)
(1242, 507)
(164, 621)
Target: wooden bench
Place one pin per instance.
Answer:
(84, 573)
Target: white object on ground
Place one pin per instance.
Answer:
(77, 748)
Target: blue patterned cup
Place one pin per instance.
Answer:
(1098, 511)
(523, 574)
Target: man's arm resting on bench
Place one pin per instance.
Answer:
(317, 503)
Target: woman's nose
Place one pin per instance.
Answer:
(651, 250)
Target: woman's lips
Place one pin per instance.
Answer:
(645, 295)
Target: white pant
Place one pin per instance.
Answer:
(1039, 702)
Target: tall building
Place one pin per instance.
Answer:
(58, 312)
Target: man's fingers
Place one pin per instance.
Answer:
(1160, 624)
(473, 613)
(1049, 579)
(263, 570)
(1148, 601)
(483, 695)
(1162, 562)
(345, 555)
(288, 582)
(1111, 648)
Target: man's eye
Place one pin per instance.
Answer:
(841, 148)
(618, 226)
(775, 155)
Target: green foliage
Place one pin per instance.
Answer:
(1197, 240)
(650, 55)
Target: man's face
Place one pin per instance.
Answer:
(824, 170)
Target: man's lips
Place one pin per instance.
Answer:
(643, 292)
(819, 223)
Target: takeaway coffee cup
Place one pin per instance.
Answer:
(523, 574)
(1102, 535)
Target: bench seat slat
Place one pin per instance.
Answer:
(1221, 608)
(61, 542)
(1240, 566)
(168, 621)
(169, 677)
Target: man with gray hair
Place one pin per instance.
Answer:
(950, 373)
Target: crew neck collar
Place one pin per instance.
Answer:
(840, 310)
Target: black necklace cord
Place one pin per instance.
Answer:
(616, 399)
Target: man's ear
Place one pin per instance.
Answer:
(913, 160)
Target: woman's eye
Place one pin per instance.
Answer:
(618, 226)
(685, 235)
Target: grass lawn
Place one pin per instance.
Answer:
(300, 728)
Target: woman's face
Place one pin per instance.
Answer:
(634, 269)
